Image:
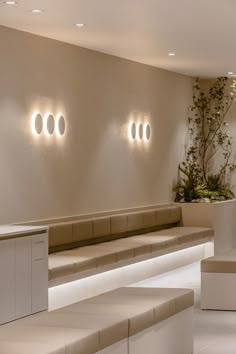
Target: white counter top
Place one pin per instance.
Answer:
(15, 231)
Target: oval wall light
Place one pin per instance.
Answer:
(147, 132)
(139, 132)
(49, 124)
(132, 131)
(60, 125)
(37, 124)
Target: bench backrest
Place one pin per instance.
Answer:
(91, 231)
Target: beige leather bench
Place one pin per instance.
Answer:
(118, 318)
(218, 282)
(81, 246)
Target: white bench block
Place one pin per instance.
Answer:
(172, 336)
(218, 291)
(117, 348)
(142, 342)
(184, 331)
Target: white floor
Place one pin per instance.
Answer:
(214, 331)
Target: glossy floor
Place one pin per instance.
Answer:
(214, 331)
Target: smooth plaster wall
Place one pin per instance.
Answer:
(94, 167)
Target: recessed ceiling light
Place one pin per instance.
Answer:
(36, 11)
(171, 54)
(79, 24)
(10, 2)
(230, 73)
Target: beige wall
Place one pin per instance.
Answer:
(94, 168)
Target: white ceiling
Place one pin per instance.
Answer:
(200, 32)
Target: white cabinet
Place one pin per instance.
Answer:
(39, 273)
(23, 276)
(7, 281)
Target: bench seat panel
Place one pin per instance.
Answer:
(119, 224)
(111, 328)
(68, 338)
(86, 258)
(95, 324)
(66, 263)
(7, 347)
(82, 230)
(220, 264)
(102, 256)
(139, 248)
(187, 234)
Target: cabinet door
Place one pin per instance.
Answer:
(39, 273)
(7, 281)
(23, 277)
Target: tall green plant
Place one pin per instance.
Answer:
(208, 137)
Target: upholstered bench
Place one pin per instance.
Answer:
(127, 320)
(218, 282)
(80, 247)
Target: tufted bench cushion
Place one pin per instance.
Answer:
(218, 275)
(91, 257)
(86, 232)
(145, 306)
(51, 340)
(220, 264)
(110, 328)
(185, 234)
(94, 324)
(29, 348)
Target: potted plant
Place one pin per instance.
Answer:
(200, 179)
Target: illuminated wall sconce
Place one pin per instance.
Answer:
(132, 131)
(49, 124)
(60, 125)
(37, 124)
(139, 132)
(147, 132)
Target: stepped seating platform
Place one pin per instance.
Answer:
(123, 321)
(80, 248)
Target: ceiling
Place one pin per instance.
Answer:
(200, 32)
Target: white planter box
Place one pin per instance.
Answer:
(220, 215)
(198, 214)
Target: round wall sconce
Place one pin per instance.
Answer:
(147, 132)
(61, 125)
(49, 124)
(37, 124)
(132, 131)
(140, 131)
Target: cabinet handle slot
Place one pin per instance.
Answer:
(38, 259)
